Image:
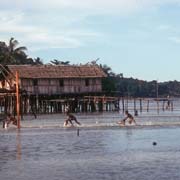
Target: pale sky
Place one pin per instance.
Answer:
(139, 38)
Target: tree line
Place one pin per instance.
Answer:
(13, 54)
(132, 87)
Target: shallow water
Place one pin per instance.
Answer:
(163, 118)
(43, 149)
(98, 153)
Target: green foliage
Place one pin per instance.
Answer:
(38, 61)
(109, 84)
(57, 62)
(11, 54)
(118, 85)
(137, 88)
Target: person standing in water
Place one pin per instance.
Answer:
(70, 118)
(128, 117)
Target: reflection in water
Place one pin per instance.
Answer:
(18, 144)
(129, 133)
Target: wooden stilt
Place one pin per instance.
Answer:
(17, 100)
(172, 106)
(158, 106)
(134, 105)
(163, 107)
(123, 104)
(148, 105)
(140, 105)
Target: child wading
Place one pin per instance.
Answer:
(9, 119)
(70, 118)
(128, 117)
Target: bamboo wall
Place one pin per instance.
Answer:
(54, 86)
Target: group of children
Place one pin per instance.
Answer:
(70, 118)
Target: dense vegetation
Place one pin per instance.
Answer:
(114, 84)
(117, 84)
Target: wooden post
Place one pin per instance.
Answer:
(158, 105)
(127, 104)
(148, 105)
(17, 100)
(157, 96)
(119, 101)
(140, 105)
(123, 103)
(78, 132)
(163, 107)
(134, 105)
(172, 106)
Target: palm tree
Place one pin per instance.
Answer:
(57, 62)
(3, 50)
(120, 75)
(38, 61)
(14, 54)
(107, 70)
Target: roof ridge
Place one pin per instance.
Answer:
(53, 71)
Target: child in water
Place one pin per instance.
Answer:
(70, 118)
(9, 119)
(128, 117)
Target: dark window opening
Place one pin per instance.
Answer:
(35, 82)
(61, 82)
(87, 82)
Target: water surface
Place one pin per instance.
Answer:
(97, 153)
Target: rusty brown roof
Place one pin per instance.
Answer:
(59, 71)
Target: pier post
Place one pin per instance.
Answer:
(134, 105)
(163, 107)
(17, 100)
(127, 103)
(123, 103)
(158, 105)
(140, 101)
(172, 106)
(148, 105)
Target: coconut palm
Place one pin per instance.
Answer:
(57, 62)
(14, 54)
(38, 61)
(3, 50)
(107, 70)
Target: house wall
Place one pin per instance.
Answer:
(59, 86)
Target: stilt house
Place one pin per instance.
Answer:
(59, 79)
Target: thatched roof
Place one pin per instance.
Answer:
(59, 71)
